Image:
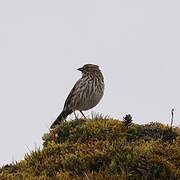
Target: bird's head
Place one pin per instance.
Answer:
(89, 68)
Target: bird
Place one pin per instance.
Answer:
(86, 93)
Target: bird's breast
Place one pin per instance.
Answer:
(90, 97)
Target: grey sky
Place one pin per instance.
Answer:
(42, 43)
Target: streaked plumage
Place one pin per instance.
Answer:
(86, 93)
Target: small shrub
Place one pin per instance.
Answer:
(102, 149)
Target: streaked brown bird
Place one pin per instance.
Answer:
(86, 93)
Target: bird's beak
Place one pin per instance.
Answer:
(80, 69)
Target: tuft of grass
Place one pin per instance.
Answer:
(102, 148)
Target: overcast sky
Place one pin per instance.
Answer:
(42, 43)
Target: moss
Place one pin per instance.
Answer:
(102, 149)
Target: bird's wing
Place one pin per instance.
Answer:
(69, 103)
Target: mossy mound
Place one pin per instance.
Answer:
(102, 149)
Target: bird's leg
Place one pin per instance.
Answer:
(83, 115)
(75, 115)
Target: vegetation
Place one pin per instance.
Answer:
(102, 148)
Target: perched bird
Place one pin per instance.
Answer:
(86, 93)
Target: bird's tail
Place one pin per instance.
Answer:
(61, 117)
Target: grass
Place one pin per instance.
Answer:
(102, 148)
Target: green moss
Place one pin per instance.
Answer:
(102, 149)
